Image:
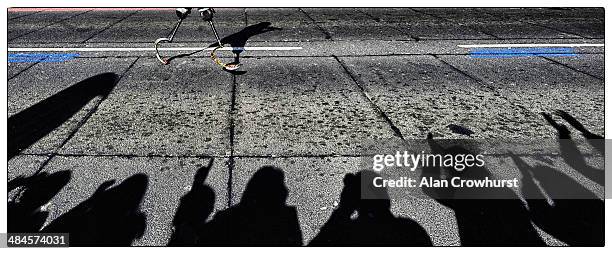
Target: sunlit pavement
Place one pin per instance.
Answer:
(351, 76)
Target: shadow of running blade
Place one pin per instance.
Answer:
(30, 125)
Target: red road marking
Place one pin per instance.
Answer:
(86, 9)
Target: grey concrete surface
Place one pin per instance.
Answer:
(362, 75)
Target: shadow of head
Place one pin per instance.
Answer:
(266, 188)
(111, 216)
(127, 196)
(30, 125)
(371, 201)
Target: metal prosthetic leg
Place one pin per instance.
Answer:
(182, 13)
(207, 15)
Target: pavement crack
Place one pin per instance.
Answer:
(48, 25)
(81, 122)
(25, 15)
(572, 68)
(451, 21)
(231, 163)
(376, 108)
(23, 70)
(379, 20)
(327, 34)
(109, 26)
(482, 83)
(554, 29)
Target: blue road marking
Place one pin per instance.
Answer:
(520, 52)
(41, 57)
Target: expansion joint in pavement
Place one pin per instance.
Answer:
(82, 122)
(24, 69)
(481, 82)
(448, 20)
(231, 164)
(378, 20)
(556, 29)
(48, 25)
(571, 68)
(25, 15)
(376, 108)
(327, 34)
(109, 26)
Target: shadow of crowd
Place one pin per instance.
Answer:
(111, 216)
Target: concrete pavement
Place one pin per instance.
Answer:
(361, 75)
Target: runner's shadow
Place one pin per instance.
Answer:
(25, 211)
(485, 216)
(575, 216)
(237, 41)
(110, 217)
(262, 217)
(30, 125)
(374, 224)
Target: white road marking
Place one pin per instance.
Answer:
(528, 45)
(149, 49)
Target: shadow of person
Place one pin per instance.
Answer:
(238, 40)
(575, 216)
(28, 126)
(26, 211)
(193, 210)
(569, 150)
(374, 224)
(492, 216)
(594, 139)
(110, 217)
(261, 218)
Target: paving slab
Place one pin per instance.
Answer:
(351, 24)
(76, 29)
(587, 29)
(147, 26)
(302, 107)
(31, 23)
(539, 85)
(589, 63)
(546, 14)
(45, 80)
(24, 165)
(14, 69)
(290, 24)
(421, 94)
(176, 109)
(168, 179)
(517, 30)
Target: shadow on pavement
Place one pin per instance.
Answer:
(237, 40)
(374, 224)
(193, 211)
(110, 217)
(501, 220)
(25, 211)
(574, 214)
(569, 150)
(30, 125)
(261, 218)
(577, 222)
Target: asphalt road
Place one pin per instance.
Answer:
(360, 75)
